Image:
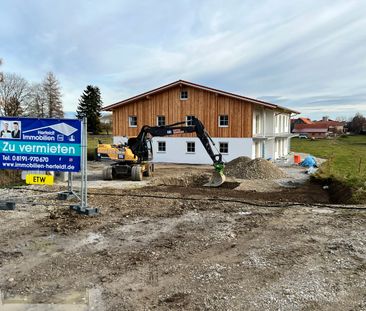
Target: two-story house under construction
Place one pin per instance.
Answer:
(239, 125)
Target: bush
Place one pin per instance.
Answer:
(10, 178)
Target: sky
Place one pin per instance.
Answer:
(309, 55)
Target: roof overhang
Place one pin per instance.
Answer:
(183, 83)
(311, 130)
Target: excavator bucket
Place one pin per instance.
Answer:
(217, 179)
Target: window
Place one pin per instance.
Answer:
(189, 120)
(161, 146)
(223, 121)
(132, 121)
(224, 147)
(184, 94)
(160, 120)
(191, 147)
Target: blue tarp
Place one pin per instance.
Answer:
(309, 161)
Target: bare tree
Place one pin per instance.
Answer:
(52, 90)
(14, 91)
(106, 123)
(342, 118)
(37, 102)
(1, 74)
(357, 124)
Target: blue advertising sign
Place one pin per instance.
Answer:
(40, 144)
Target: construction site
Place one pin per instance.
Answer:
(266, 239)
(182, 155)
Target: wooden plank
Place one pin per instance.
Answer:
(205, 105)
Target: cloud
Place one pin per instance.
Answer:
(304, 54)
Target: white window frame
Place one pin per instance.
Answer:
(161, 151)
(223, 115)
(194, 144)
(187, 120)
(130, 119)
(224, 142)
(180, 95)
(157, 120)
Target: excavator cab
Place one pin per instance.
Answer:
(144, 152)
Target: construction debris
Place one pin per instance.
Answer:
(245, 168)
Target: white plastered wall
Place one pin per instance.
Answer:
(176, 149)
(269, 149)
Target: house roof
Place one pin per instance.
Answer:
(311, 126)
(319, 124)
(311, 130)
(198, 86)
(330, 123)
(306, 120)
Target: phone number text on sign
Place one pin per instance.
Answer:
(26, 158)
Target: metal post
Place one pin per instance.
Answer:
(84, 161)
(83, 207)
(69, 183)
(69, 194)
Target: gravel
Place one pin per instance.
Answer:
(244, 168)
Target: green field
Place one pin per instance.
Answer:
(346, 157)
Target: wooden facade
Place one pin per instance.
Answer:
(205, 105)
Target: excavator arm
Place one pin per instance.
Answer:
(140, 145)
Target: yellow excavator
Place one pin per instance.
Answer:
(134, 157)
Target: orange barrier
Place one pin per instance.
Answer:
(297, 159)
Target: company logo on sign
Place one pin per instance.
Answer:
(49, 132)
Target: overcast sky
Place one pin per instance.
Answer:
(309, 55)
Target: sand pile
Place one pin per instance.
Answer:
(245, 168)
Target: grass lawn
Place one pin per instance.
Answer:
(93, 140)
(346, 157)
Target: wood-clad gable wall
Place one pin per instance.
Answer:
(205, 105)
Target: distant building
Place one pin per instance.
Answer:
(299, 121)
(320, 129)
(334, 127)
(312, 130)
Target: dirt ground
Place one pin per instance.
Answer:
(170, 244)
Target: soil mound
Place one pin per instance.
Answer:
(186, 180)
(245, 168)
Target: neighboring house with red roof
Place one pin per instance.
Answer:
(317, 129)
(305, 120)
(301, 120)
(312, 130)
(320, 129)
(334, 127)
(239, 125)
